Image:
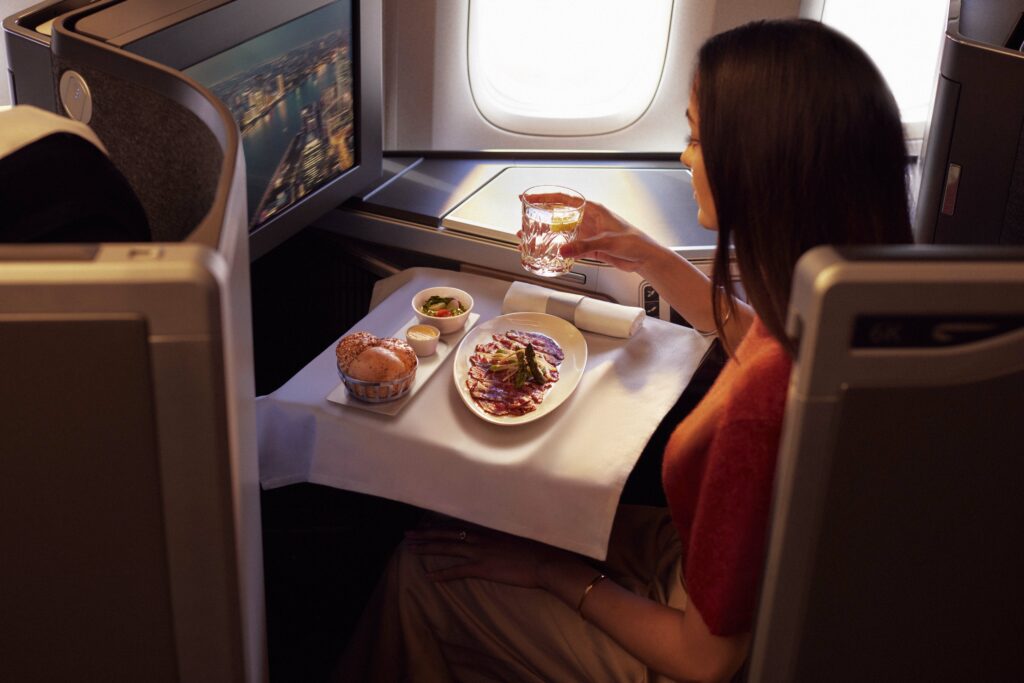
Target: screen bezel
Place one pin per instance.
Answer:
(211, 33)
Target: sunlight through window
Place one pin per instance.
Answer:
(904, 39)
(566, 67)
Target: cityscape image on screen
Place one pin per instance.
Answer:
(290, 91)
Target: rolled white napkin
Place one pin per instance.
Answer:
(593, 315)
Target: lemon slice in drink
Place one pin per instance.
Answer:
(564, 223)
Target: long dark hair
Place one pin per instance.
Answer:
(803, 145)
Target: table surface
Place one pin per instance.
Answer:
(557, 479)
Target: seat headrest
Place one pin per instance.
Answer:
(58, 185)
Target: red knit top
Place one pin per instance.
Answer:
(718, 471)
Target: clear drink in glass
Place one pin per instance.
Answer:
(551, 218)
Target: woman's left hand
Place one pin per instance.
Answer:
(487, 554)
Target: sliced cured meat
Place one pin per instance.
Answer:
(495, 391)
(500, 398)
(541, 343)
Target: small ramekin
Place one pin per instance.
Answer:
(423, 339)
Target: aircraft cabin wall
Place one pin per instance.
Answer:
(466, 130)
(433, 100)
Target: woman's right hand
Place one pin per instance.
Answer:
(606, 236)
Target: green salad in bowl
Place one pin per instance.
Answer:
(446, 308)
(442, 306)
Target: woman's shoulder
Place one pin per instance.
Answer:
(762, 378)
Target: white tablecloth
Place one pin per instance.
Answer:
(556, 480)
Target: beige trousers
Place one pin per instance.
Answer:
(474, 630)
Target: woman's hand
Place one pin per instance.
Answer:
(608, 237)
(490, 555)
(605, 236)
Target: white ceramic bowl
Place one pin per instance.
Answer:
(448, 324)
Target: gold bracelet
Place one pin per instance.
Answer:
(586, 591)
(713, 332)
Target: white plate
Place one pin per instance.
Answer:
(426, 368)
(569, 372)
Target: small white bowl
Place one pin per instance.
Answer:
(448, 324)
(423, 339)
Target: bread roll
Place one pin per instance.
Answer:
(369, 358)
(377, 364)
(401, 348)
(351, 345)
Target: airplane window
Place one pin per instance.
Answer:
(904, 39)
(566, 67)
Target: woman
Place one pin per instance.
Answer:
(795, 142)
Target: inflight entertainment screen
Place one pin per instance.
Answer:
(290, 90)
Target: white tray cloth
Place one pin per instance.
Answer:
(556, 480)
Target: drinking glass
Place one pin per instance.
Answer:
(551, 218)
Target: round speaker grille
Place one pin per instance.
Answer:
(75, 96)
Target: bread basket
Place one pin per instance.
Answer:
(378, 392)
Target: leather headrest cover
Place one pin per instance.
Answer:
(58, 185)
(24, 124)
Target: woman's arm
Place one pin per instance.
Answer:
(608, 237)
(676, 643)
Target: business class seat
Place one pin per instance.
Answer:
(895, 550)
(130, 524)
